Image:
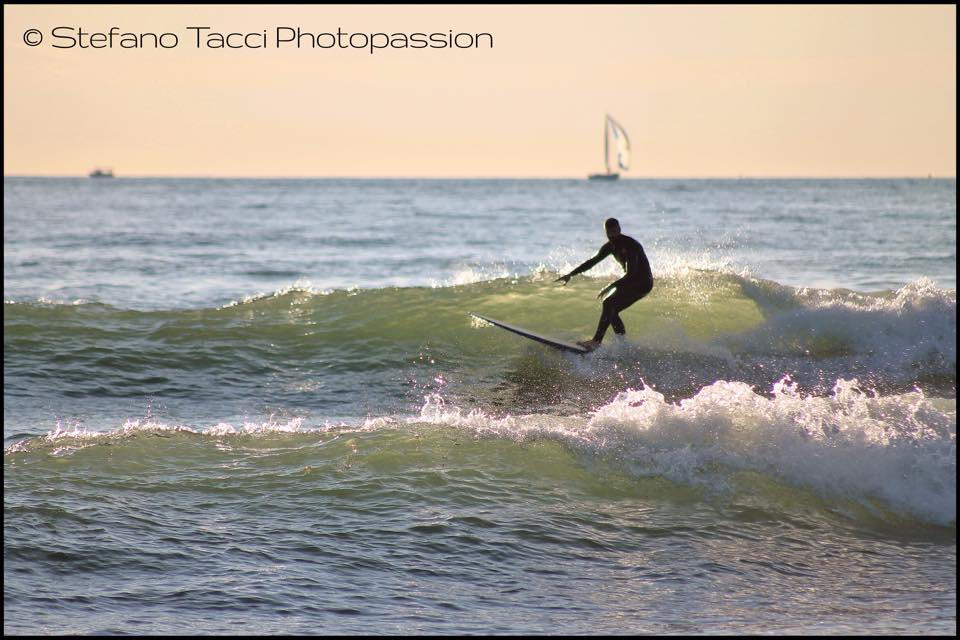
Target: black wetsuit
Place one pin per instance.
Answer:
(637, 282)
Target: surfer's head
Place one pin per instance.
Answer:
(612, 228)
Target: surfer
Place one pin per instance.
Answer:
(636, 284)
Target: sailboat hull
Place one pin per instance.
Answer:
(603, 176)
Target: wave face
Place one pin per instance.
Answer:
(344, 348)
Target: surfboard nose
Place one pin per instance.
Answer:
(530, 335)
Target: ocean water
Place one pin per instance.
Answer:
(262, 406)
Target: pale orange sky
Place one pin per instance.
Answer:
(703, 91)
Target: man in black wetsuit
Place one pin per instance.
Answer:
(637, 282)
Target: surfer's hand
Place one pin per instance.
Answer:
(563, 279)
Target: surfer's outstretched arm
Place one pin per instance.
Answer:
(605, 251)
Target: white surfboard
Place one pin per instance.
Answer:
(550, 342)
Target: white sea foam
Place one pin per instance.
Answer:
(914, 327)
(300, 286)
(900, 450)
(80, 435)
(474, 274)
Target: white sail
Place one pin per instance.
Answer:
(621, 143)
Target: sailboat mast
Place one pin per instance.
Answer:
(606, 142)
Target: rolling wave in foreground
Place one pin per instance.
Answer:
(874, 457)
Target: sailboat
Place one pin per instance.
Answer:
(622, 144)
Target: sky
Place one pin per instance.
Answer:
(703, 91)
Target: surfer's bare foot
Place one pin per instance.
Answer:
(589, 345)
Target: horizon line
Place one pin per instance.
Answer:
(928, 176)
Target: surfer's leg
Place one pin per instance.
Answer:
(617, 324)
(612, 307)
(611, 315)
(603, 324)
